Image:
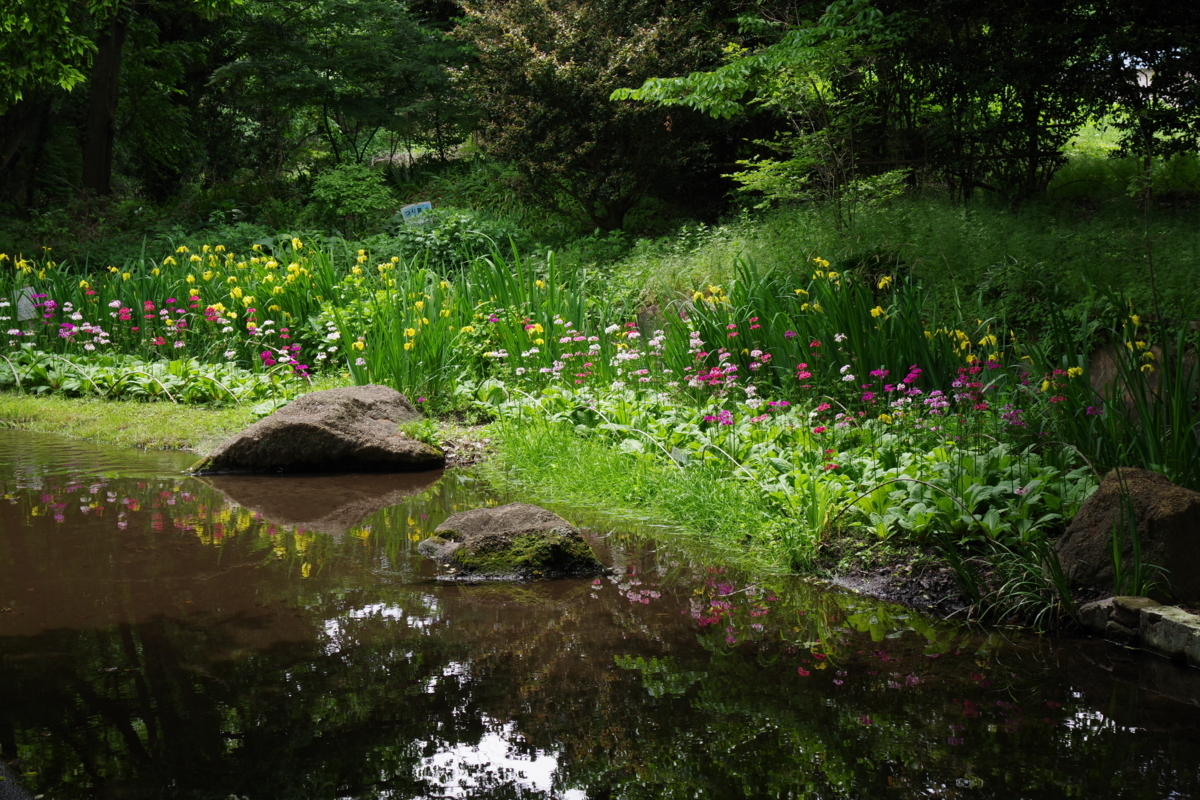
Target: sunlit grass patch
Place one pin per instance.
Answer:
(124, 423)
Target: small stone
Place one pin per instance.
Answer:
(1127, 611)
(1118, 633)
(1094, 616)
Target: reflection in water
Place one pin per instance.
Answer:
(157, 641)
(499, 752)
(327, 504)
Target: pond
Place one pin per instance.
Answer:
(163, 636)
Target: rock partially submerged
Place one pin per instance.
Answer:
(1168, 527)
(352, 429)
(516, 542)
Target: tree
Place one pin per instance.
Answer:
(104, 85)
(981, 96)
(542, 79)
(47, 44)
(800, 78)
(1147, 74)
(43, 45)
(993, 92)
(345, 70)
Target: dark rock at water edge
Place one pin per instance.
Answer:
(1168, 527)
(351, 429)
(516, 542)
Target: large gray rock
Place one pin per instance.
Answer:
(1168, 526)
(353, 429)
(513, 542)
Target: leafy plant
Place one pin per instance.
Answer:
(352, 196)
(423, 430)
(1030, 586)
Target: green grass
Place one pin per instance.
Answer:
(703, 503)
(1016, 261)
(151, 426)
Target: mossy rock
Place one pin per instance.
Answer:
(516, 542)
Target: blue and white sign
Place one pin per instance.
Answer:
(412, 213)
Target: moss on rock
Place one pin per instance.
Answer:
(513, 542)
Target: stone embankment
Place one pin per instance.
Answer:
(1143, 623)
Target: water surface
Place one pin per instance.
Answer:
(164, 636)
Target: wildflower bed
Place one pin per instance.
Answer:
(843, 402)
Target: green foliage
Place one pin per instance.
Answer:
(1028, 586)
(949, 87)
(352, 196)
(541, 82)
(447, 239)
(1104, 174)
(908, 480)
(1146, 414)
(796, 79)
(115, 377)
(40, 47)
(423, 430)
(1132, 576)
(351, 70)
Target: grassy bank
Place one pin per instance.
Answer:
(556, 465)
(1016, 265)
(151, 426)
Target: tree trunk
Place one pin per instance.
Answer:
(16, 124)
(101, 125)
